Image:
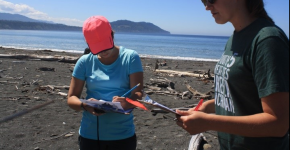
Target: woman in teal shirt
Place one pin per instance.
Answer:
(107, 72)
(251, 106)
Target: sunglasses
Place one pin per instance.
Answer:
(206, 1)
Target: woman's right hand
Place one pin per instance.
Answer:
(91, 109)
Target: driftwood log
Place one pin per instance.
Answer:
(207, 75)
(54, 89)
(68, 59)
(163, 86)
(196, 142)
(198, 94)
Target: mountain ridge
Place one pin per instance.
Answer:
(20, 22)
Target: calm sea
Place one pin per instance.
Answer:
(183, 47)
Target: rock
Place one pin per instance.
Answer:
(206, 146)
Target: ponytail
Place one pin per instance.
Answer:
(257, 9)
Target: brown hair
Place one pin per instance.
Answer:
(113, 34)
(257, 9)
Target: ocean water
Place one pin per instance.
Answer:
(182, 47)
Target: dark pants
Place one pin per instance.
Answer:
(126, 144)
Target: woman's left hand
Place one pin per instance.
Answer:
(126, 105)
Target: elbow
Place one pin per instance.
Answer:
(281, 129)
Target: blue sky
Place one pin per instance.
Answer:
(176, 16)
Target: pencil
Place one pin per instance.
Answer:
(198, 105)
(130, 90)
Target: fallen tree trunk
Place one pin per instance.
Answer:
(198, 94)
(68, 59)
(52, 87)
(180, 73)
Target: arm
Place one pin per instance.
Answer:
(136, 94)
(75, 91)
(273, 122)
(135, 79)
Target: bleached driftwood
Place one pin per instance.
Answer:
(68, 59)
(197, 94)
(196, 141)
(53, 87)
(154, 88)
(4, 82)
(189, 74)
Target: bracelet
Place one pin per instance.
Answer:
(83, 107)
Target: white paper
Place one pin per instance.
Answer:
(100, 103)
(106, 106)
(148, 100)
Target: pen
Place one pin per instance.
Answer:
(198, 105)
(130, 90)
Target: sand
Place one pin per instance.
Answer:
(23, 85)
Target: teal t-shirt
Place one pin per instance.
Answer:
(255, 64)
(103, 82)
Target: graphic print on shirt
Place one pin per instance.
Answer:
(223, 96)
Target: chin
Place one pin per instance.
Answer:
(220, 21)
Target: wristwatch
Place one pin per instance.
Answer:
(83, 107)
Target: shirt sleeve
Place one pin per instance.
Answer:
(135, 64)
(80, 68)
(271, 66)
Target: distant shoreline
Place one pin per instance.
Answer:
(133, 33)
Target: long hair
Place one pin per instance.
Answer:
(257, 9)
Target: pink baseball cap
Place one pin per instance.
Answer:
(97, 32)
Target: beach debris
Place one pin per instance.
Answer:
(68, 59)
(196, 141)
(206, 146)
(163, 86)
(188, 74)
(14, 98)
(36, 148)
(162, 83)
(18, 61)
(198, 94)
(156, 65)
(34, 82)
(67, 134)
(25, 111)
(62, 94)
(46, 69)
(53, 87)
(186, 95)
(164, 63)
